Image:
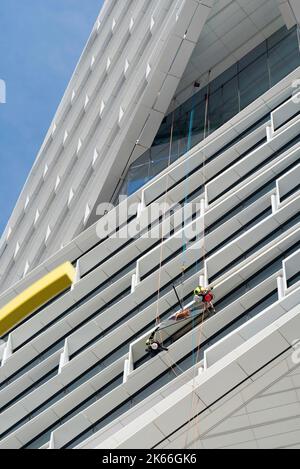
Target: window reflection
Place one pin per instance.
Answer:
(253, 81)
(284, 57)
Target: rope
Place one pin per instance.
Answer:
(163, 217)
(194, 398)
(157, 319)
(206, 124)
(203, 257)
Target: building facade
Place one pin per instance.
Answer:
(173, 161)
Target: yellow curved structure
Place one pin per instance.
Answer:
(36, 296)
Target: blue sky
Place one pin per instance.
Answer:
(40, 44)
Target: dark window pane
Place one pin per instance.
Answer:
(137, 177)
(159, 152)
(284, 58)
(143, 159)
(278, 36)
(230, 99)
(180, 136)
(158, 166)
(253, 81)
(253, 56)
(223, 78)
(198, 124)
(215, 113)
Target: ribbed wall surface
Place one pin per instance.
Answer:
(75, 373)
(63, 378)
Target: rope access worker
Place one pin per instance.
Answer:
(153, 346)
(204, 296)
(203, 299)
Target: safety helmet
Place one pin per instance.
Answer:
(154, 346)
(197, 291)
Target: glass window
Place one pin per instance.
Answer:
(158, 166)
(180, 135)
(253, 56)
(284, 57)
(159, 151)
(198, 124)
(230, 99)
(142, 160)
(253, 81)
(278, 36)
(215, 114)
(137, 177)
(223, 78)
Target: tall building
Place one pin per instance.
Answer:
(173, 160)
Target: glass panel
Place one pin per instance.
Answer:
(198, 124)
(137, 177)
(253, 81)
(180, 135)
(284, 58)
(230, 99)
(226, 76)
(159, 152)
(157, 167)
(253, 56)
(278, 36)
(142, 160)
(215, 115)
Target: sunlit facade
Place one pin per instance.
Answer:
(174, 105)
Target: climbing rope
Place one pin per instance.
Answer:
(157, 319)
(196, 350)
(203, 259)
